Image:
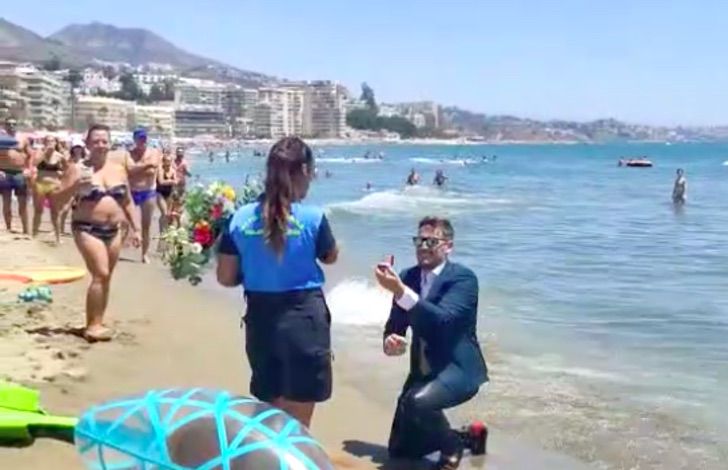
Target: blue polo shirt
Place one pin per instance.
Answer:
(309, 238)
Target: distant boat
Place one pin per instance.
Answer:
(635, 162)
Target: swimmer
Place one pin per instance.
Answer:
(679, 190)
(413, 178)
(440, 179)
(368, 186)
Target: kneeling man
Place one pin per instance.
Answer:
(438, 299)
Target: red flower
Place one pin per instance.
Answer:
(216, 211)
(203, 235)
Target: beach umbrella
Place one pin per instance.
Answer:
(175, 429)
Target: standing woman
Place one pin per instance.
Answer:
(102, 202)
(49, 166)
(76, 156)
(166, 183)
(272, 247)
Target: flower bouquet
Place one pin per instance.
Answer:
(188, 249)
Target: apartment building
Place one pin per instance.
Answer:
(324, 109)
(117, 114)
(44, 96)
(159, 120)
(195, 92)
(95, 81)
(12, 103)
(200, 108)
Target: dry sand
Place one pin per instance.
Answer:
(169, 334)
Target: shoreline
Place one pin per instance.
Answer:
(197, 327)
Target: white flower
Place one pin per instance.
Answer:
(196, 248)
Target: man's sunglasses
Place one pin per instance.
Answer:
(427, 242)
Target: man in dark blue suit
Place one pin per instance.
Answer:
(438, 299)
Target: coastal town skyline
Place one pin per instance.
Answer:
(652, 74)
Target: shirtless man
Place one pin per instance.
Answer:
(183, 171)
(680, 189)
(16, 158)
(145, 163)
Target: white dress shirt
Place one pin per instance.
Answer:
(409, 298)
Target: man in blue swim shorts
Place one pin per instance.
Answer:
(16, 157)
(145, 162)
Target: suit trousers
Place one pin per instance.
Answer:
(420, 426)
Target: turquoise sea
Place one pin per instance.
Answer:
(603, 308)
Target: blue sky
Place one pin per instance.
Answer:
(657, 62)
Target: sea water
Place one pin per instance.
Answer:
(603, 307)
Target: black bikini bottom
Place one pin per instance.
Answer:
(104, 232)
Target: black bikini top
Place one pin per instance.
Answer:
(45, 166)
(117, 192)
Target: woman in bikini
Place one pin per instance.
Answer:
(102, 202)
(166, 182)
(49, 166)
(77, 155)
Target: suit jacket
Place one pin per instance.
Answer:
(446, 319)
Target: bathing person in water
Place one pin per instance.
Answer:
(413, 178)
(103, 201)
(679, 190)
(272, 247)
(440, 179)
(143, 183)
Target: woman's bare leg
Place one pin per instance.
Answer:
(64, 215)
(23, 211)
(37, 211)
(55, 219)
(302, 411)
(100, 261)
(163, 219)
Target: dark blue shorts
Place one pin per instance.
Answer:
(288, 343)
(14, 181)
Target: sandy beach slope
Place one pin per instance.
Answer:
(169, 334)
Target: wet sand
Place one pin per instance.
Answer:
(170, 334)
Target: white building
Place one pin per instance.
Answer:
(117, 114)
(200, 108)
(428, 110)
(324, 109)
(194, 92)
(272, 118)
(147, 80)
(95, 81)
(159, 120)
(279, 112)
(12, 103)
(44, 95)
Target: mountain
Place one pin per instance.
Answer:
(137, 46)
(22, 45)
(78, 45)
(515, 129)
(131, 45)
